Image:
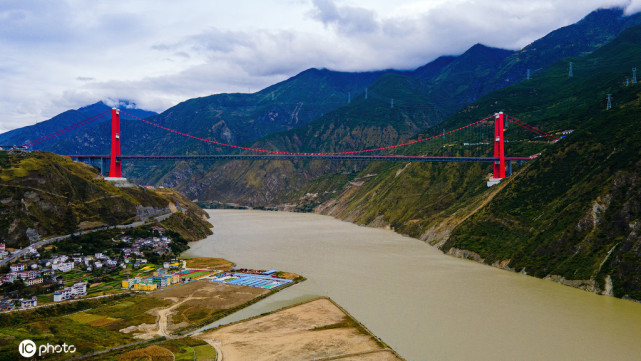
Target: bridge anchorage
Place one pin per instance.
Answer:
(502, 165)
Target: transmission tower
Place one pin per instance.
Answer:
(365, 93)
(349, 97)
(571, 73)
(634, 75)
(609, 106)
(528, 74)
(392, 103)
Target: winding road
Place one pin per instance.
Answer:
(43, 242)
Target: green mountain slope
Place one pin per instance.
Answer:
(464, 80)
(365, 123)
(92, 138)
(572, 214)
(398, 105)
(595, 30)
(44, 195)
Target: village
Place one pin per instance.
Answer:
(57, 277)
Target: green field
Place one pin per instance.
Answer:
(88, 325)
(197, 274)
(183, 349)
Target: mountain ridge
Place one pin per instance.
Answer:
(398, 105)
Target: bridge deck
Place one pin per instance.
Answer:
(395, 158)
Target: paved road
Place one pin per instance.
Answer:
(43, 242)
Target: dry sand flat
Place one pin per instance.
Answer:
(316, 330)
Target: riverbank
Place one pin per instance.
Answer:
(418, 300)
(315, 330)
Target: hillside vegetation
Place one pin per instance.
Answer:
(396, 107)
(43, 195)
(572, 215)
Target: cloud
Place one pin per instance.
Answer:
(632, 7)
(34, 22)
(58, 55)
(347, 19)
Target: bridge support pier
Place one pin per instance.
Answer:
(98, 162)
(103, 167)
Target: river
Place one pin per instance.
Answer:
(424, 304)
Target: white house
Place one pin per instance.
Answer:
(61, 295)
(33, 281)
(77, 290)
(9, 277)
(60, 259)
(88, 260)
(17, 267)
(33, 302)
(27, 275)
(62, 267)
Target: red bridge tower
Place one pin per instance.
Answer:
(115, 169)
(499, 149)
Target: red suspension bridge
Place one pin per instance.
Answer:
(502, 163)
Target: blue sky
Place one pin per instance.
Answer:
(59, 55)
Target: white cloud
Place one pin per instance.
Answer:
(58, 55)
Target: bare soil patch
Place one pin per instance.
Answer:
(197, 301)
(148, 353)
(209, 263)
(314, 330)
(382, 355)
(288, 275)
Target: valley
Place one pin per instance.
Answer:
(483, 205)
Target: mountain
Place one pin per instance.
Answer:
(241, 118)
(421, 98)
(454, 82)
(595, 30)
(448, 83)
(92, 138)
(232, 118)
(365, 123)
(571, 215)
(44, 195)
(464, 78)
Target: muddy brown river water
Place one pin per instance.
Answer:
(424, 304)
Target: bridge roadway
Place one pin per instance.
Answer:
(395, 158)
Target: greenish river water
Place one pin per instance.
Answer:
(424, 304)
